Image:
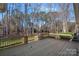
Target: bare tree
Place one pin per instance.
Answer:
(64, 15)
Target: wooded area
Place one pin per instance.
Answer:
(16, 21)
(29, 21)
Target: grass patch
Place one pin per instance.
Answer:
(67, 35)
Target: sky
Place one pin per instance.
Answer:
(44, 8)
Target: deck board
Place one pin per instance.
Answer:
(45, 47)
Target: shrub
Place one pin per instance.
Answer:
(67, 35)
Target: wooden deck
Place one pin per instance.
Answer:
(45, 47)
